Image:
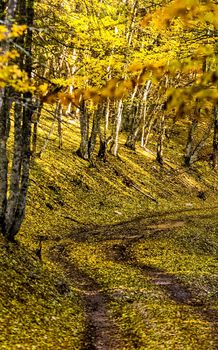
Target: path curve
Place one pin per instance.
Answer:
(173, 286)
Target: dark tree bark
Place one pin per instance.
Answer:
(88, 139)
(134, 128)
(95, 131)
(103, 139)
(190, 141)
(215, 138)
(4, 117)
(83, 150)
(102, 152)
(14, 186)
(192, 150)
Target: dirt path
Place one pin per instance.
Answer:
(137, 226)
(172, 285)
(100, 332)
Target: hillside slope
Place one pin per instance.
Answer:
(128, 250)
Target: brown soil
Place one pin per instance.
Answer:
(138, 226)
(100, 332)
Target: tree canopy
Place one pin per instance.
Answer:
(136, 66)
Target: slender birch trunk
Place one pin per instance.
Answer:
(71, 72)
(144, 137)
(58, 115)
(104, 141)
(139, 118)
(160, 140)
(146, 130)
(118, 121)
(16, 166)
(35, 127)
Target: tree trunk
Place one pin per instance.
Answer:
(35, 127)
(12, 206)
(146, 130)
(200, 145)
(129, 34)
(24, 182)
(192, 152)
(58, 113)
(4, 117)
(103, 137)
(140, 114)
(94, 132)
(117, 126)
(83, 150)
(7, 14)
(215, 138)
(71, 72)
(15, 221)
(190, 141)
(134, 128)
(160, 141)
(107, 115)
(16, 167)
(148, 124)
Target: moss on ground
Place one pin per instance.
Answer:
(39, 309)
(189, 252)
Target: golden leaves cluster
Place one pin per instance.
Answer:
(14, 32)
(188, 11)
(10, 73)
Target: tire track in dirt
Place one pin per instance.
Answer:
(171, 284)
(143, 224)
(100, 332)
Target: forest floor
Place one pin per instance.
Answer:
(120, 246)
(129, 255)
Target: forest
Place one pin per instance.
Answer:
(108, 174)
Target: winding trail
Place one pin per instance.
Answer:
(172, 285)
(138, 226)
(100, 332)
